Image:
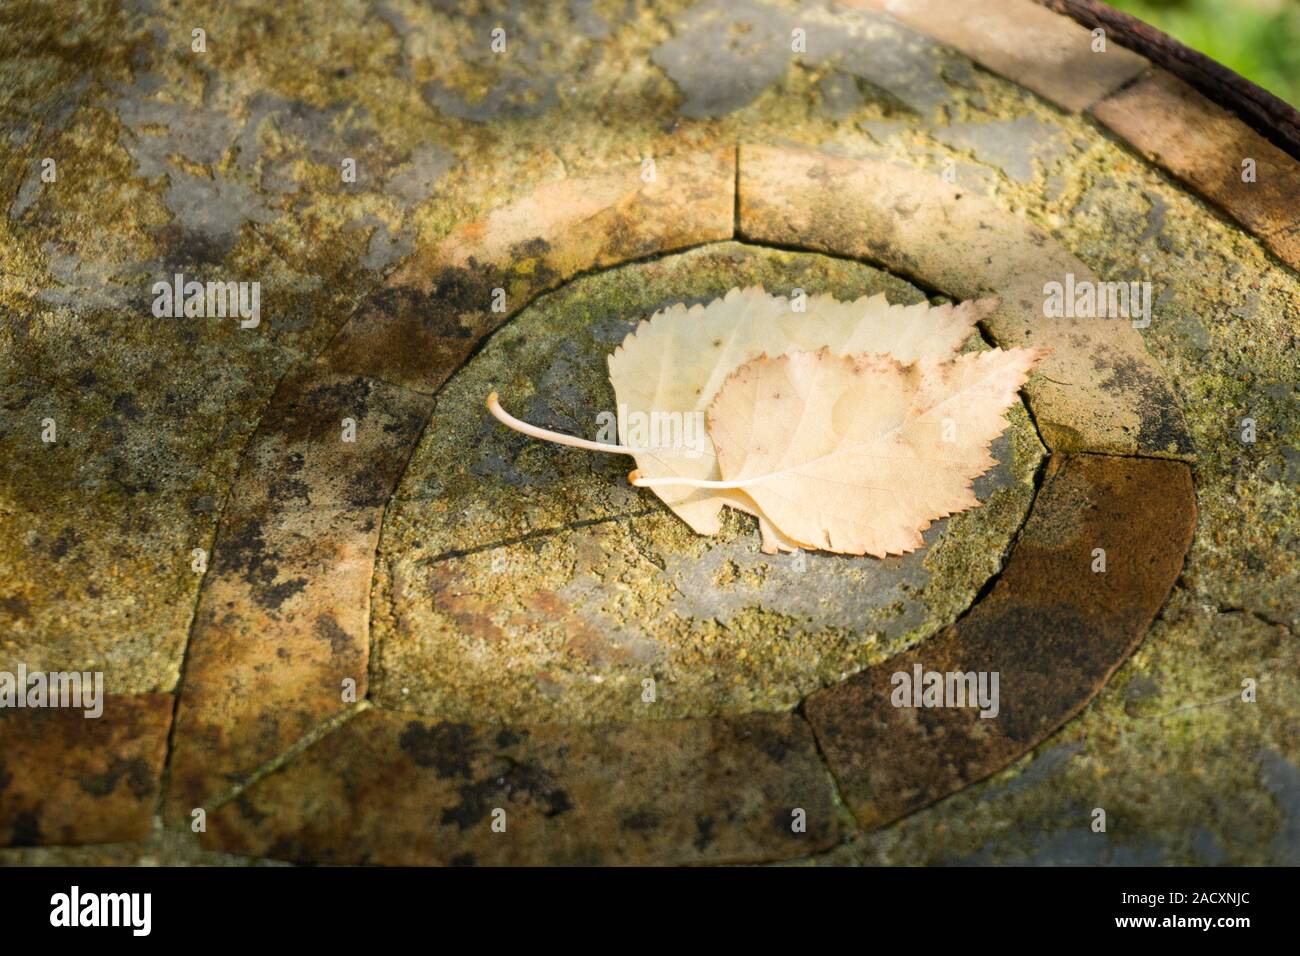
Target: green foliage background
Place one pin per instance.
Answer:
(1260, 39)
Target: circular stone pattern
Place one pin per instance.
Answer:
(525, 582)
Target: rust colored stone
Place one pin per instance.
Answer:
(1204, 145)
(283, 617)
(282, 623)
(69, 779)
(1052, 627)
(391, 788)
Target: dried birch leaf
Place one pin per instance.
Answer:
(858, 455)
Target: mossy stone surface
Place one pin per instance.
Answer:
(226, 164)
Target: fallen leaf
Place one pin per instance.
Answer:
(858, 455)
(678, 362)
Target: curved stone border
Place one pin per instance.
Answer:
(1053, 629)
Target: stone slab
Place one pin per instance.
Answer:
(282, 623)
(66, 778)
(1204, 145)
(392, 789)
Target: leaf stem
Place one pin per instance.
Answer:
(545, 434)
(635, 479)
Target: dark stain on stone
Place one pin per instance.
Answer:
(1161, 425)
(26, 829)
(705, 828)
(68, 539)
(434, 312)
(244, 552)
(17, 606)
(530, 248)
(508, 738)
(289, 489)
(248, 810)
(641, 820)
(521, 781)
(124, 404)
(135, 771)
(772, 742)
(328, 628)
(273, 597)
(448, 748)
(190, 248)
(349, 396)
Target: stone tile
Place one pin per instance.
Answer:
(283, 618)
(66, 778)
(1204, 145)
(439, 304)
(1025, 42)
(282, 623)
(299, 458)
(1052, 628)
(389, 788)
(1097, 390)
(101, 583)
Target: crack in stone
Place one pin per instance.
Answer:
(533, 536)
(317, 733)
(1262, 618)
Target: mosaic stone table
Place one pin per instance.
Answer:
(358, 651)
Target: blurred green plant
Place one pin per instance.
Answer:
(1260, 39)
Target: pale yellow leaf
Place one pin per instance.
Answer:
(858, 455)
